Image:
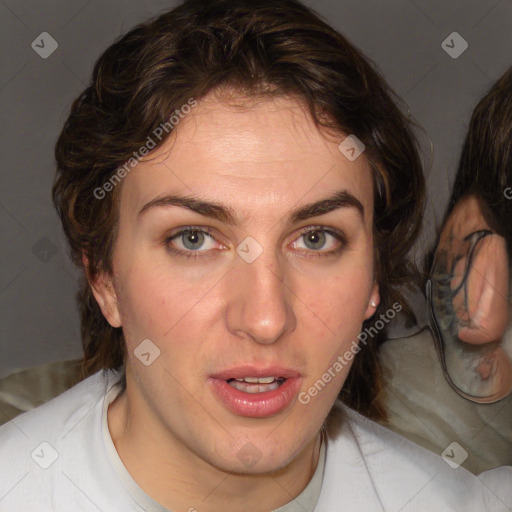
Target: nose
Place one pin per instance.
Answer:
(260, 306)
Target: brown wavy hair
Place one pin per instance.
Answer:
(258, 48)
(485, 165)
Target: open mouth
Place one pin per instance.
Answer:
(256, 392)
(256, 384)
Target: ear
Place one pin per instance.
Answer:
(103, 290)
(373, 301)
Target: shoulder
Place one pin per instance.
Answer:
(60, 413)
(400, 474)
(52, 450)
(499, 481)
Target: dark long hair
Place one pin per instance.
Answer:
(259, 48)
(485, 165)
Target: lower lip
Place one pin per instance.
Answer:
(256, 405)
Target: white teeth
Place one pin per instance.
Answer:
(256, 384)
(266, 380)
(257, 380)
(253, 388)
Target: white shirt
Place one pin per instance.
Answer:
(60, 457)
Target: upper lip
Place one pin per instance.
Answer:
(239, 372)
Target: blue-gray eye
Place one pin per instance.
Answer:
(314, 239)
(192, 240)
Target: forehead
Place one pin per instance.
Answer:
(230, 150)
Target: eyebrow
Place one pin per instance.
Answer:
(225, 214)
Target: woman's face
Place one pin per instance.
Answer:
(267, 273)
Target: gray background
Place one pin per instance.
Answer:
(39, 319)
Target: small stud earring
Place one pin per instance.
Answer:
(373, 303)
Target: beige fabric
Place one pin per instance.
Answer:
(23, 390)
(424, 408)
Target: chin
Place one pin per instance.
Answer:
(254, 462)
(252, 456)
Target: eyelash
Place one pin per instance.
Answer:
(205, 230)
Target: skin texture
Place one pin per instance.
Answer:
(294, 306)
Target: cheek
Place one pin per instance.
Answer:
(338, 310)
(341, 300)
(346, 302)
(150, 305)
(173, 311)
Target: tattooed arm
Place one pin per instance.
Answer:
(481, 303)
(470, 305)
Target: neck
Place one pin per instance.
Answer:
(178, 479)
